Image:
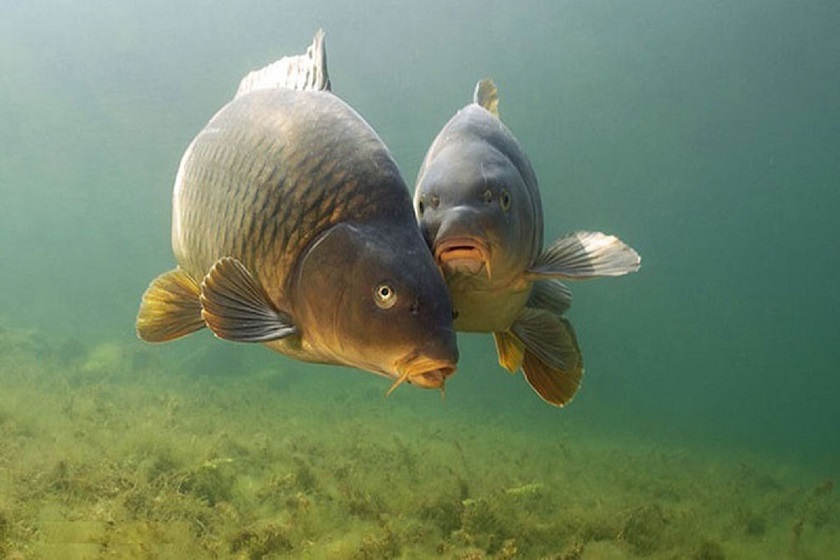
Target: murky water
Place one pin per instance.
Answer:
(705, 135)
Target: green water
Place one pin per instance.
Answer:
(704, 134)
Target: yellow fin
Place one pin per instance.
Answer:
(170, 308)
(487, 95)
(552, 362)
(554, 385)
(510, 350)
(548, 336)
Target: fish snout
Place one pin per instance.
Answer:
(429, 367)
(438, 359)
(459, 221)
(466, 255)
(425, 372)
(433, 378)
(460, 245)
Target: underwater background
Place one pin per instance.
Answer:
(704, 134)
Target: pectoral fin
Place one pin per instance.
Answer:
(235, 307)
(510, 350)
(586, 254)
(170, 308)
(551, 295)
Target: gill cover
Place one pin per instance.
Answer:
(373, 296)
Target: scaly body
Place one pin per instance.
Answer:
(479, 208)
(293, 227)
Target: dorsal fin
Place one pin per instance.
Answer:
(306, 71)
(487, 96)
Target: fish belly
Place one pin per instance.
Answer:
(487, 310)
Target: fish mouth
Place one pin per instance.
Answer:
(463, 254)
(429, 373)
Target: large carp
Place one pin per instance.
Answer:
(478, 205)
(292, 226)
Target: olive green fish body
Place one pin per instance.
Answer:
(262, 180)
(293, 227)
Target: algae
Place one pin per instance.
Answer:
(106, 452)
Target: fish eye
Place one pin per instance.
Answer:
(504, 201)
(487, 196)
(384, 296)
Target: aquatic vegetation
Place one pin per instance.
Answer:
(261, 539)
(106, 452)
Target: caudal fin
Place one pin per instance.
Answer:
(306, 71)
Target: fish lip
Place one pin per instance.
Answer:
(465, 253)
(432, 378)
(423, 371)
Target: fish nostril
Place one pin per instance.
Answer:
(455, 314)
(415, 307)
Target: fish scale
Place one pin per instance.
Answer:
(282, 210)
(478, 205)
(290, 222)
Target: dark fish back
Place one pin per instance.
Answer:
(270, 172)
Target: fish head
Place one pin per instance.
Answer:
(475, 211)
(370, 296)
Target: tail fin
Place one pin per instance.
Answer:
(306, 71)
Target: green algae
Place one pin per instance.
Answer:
(106, 452)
